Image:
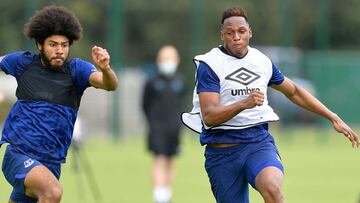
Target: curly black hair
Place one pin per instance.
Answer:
(53, 20)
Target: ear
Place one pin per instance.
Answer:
(38, 46)
(222, 35)
(250, 33)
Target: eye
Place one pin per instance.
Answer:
(52, 44)
(229, 32)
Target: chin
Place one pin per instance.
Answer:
(56, 66)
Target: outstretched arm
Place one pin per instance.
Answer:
(106, 79)
(304, 99)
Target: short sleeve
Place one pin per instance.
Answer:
(207, 80)
(277, 77)
(15, 63)
(81, 73)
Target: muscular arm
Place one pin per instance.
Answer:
(214, 114)
(106, 79)
(304, 99)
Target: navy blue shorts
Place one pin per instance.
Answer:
(16, 166)
(230, 169)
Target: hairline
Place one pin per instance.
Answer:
(222, 24)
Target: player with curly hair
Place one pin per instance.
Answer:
(39, 127)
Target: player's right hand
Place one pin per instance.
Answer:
(255, 98)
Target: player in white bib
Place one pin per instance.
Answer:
(231, 113)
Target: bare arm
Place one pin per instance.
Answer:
(304, 99)
(214, 114)
(106, 79)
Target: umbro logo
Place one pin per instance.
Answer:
(243, 76)
(28, 163)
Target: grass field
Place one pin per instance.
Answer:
(320, 167)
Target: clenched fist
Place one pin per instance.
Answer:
(100, 57)
(255, 98)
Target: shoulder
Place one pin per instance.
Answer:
(21, 57)
(151, 79)
(257, 55)
(77, 62)
(15, 63)
(77, 65)
(213, 55)
(214, 59)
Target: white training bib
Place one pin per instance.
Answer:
(238, 78)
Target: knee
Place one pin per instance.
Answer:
(272, 193)
(269, 184)
(53, 194)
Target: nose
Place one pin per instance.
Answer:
(236, 36)
(59, 50)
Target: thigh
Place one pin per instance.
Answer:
(225, 172)
(39, 181)
(266, 156)
(16, 167)
(269, 177)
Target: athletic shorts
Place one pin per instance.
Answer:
(230, 169)
(16, 166)
(164, 143)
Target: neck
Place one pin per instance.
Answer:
(240, 55)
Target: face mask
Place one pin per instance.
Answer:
(167, 67)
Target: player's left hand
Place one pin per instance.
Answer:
(100, 57)
(341, 127)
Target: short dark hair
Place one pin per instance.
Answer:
(53, 20)
(235, 11)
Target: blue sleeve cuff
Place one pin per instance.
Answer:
(277, 77)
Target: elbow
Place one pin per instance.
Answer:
(209, 121)
(113, 86)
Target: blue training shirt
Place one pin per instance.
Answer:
(41, 122)
(208, 81)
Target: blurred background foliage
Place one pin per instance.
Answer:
(193, 25)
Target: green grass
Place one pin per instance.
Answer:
(320, 167)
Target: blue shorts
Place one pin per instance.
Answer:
(230, 169)
(16, 166)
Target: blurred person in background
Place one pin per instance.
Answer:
(231, 113)
(40, 125)
(162, 104)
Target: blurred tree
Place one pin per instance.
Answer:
(148, 25)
